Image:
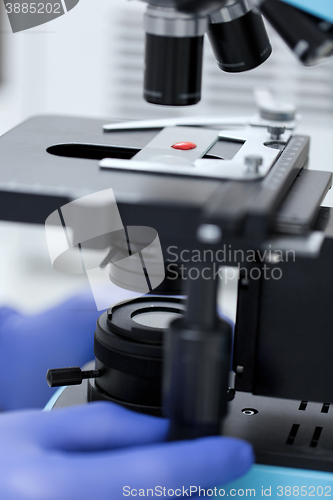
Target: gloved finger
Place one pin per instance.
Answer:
(6, 313)
(204, 462)
(92, 427)
(30, 345)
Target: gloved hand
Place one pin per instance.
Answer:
(30, 345)
(97, 450)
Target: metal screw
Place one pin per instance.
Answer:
(253, 163)
(274, 258)
(276, 131)
(249, 411)
(245, 282)
(209, 233)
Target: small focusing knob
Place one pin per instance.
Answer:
(276, 131)
(69, 376)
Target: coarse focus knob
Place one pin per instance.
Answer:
(253, 163)
(276, 131)
(69, 376)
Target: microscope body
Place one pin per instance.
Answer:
(272, 314)
(281, 397)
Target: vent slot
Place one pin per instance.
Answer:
(316, 437)
(325, 408)
(303, 405)
(293, 434)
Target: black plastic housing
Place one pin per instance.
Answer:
(196, 367)
(129, 355)
(283, 335)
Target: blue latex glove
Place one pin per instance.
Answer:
(94, 451)
(30, 345)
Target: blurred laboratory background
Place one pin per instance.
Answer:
(89, 62)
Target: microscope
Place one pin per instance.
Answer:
(216, 190)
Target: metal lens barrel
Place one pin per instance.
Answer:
(173, 71)
(173, 58)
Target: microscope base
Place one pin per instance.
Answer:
(290, 462)
(284, 433)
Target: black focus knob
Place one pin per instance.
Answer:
(69, 376)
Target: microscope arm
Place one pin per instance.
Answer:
(320, 8)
